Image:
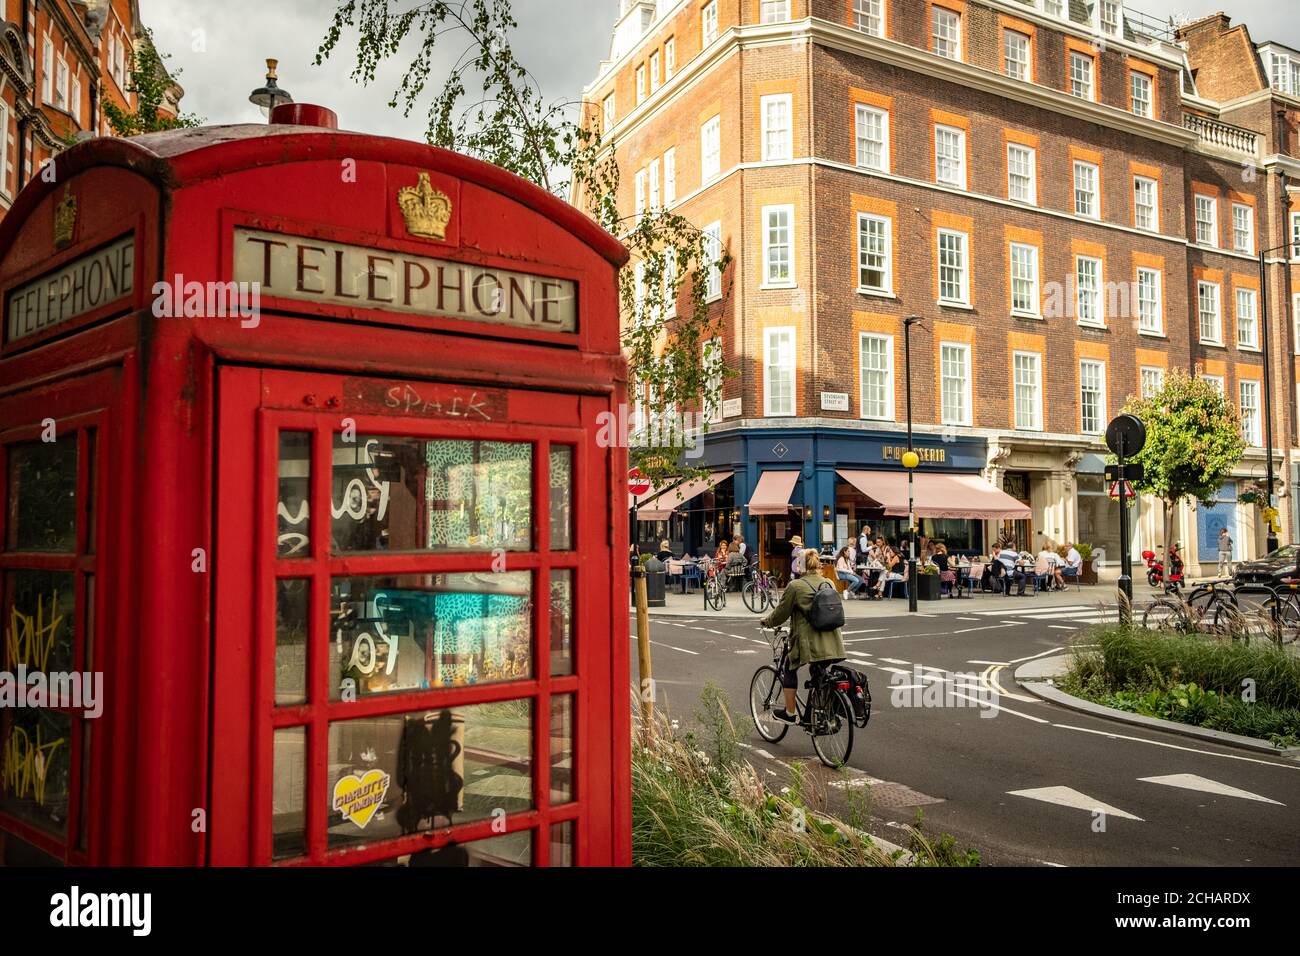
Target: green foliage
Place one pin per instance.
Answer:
(1190, 679)
(149, 81)
(1084, 549)
(1193, 439)
(666, 318)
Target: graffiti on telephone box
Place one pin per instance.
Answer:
(424, 400)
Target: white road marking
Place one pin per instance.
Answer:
(985, 703)
(1065, 609)
(1194, 750)
(1065, 797)
(671, 647)
(995, 663)
(894, 660)
(909, 687)
(893, 670)
(870, 630)
(968, 619)
(745, 650)
(1021, 660)
(987, 627)
(1190, 781)
(1062, 627)
(1050, 863)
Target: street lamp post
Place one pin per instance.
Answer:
(268, 97)
(1271, 542)
(910, 461)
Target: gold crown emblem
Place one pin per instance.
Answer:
(65, 219)
(427, 210)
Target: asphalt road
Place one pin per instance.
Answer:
(1023, 783)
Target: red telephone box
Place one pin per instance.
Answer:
(298, 450)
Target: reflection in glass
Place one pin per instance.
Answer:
(561, 622)
(408, 494)
(36, 767)
(424, 631)
(288, 790)
(561, 498)
(407, 773)
(562, 844)
(43, 496)
(561, 749)
(293, 517)
(509, 849)
(291, 601)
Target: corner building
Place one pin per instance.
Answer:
(1070, 199)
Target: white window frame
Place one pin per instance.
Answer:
(1013, 41)
(670, 58)
(1154, 208)
(713, 248)
(74, 99)
(1295, 320)
(786, 365)
(864, 12)
(964, 273)
(1055, 8)
(959, 182)
(1139, 80)
(1216, 289)
(712, 382)
(1295, 235)
(655, 199)
(773, 11)
(1158, 328)
(942, 23)
(887, 269)
(670, 177)
(1083, 84)
(784, 149)
(641, 181)
(711, 150)
(966, 399)
(640, 84)
(62, 79)
(47, 70)
(1037, 409)
(862, 112)
(708, 23)
(887, 401)
(1110, 26)
(4, 149)
(1251, 429)
(768, 213)
(1203, 201)
(1154, 372)
(1092, 172)
(1215, 381)
(610, 114)
(655, 80)
(1035, 309)
(1099, 305)
(1099, 422)
(1249, 245)
(1032, 165)
(1249, 297)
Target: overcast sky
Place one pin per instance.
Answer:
(220, 47)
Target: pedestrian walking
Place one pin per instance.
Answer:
(1225, 553)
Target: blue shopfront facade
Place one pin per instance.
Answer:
(820, 496)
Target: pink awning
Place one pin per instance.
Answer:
(661, 508)
(937, 496)
(772, 494)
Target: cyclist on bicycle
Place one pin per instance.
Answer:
(807, 646)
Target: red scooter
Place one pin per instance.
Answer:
(1156, 570)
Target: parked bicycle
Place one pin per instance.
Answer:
(715, 587)
(837, 699)
(1211, 607)
(759, 591)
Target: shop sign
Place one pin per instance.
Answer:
(333, 273)
(75, 289)
(938, 456)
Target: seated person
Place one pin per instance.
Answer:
(1010, 560)
(665, 553)
(844, 570)
(893, 564)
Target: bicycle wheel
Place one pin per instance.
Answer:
(764, 693)
(1164, 615)
(1228, 621)
(1286, 620)
(753, 597)
(711, 598)
(832, 735)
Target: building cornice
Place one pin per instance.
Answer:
(1287, 164)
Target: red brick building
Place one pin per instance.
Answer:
(60, 61)
(1070, 198)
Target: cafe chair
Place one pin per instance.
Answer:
(1042, 576)
(674, 570)
(892, 586)
(691, 576)
(1071, 574)
(974, 577)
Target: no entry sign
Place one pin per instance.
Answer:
(637, 483)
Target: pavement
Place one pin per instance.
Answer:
(1022, 779)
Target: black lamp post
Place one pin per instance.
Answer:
(1271, 541)
(910, 461)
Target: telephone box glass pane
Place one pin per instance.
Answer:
(562, 843)
(426, 631)
(407, 773)
(561, 749)
(39, 620)
(561, 622)
(43, 496)
(291, 602)
(509, 849)
(90, 490)
(293, 520)
(36, 767)
(561, 498)
(288, 789)
(409, 494)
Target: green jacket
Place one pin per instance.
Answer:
(806, 644)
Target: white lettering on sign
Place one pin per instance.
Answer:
(80, 287)
(312, 270)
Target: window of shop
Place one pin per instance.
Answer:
(48, 569)
(438, 687)
(956, 534)
(1098, 515)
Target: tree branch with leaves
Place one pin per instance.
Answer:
(666, 315)
(150, 81)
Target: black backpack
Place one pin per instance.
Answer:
(827, 611)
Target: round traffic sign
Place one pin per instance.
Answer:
(1131, 430)
(637, 483)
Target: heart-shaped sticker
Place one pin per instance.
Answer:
(357, 798)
